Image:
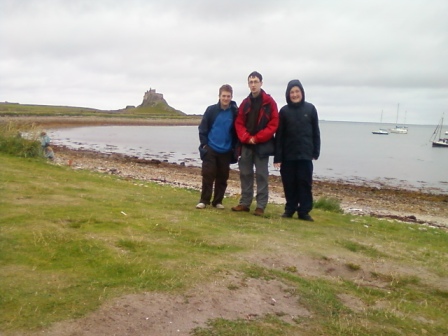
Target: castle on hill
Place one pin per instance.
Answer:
(151, 98)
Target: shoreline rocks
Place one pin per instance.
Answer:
(364, 198)
(381, 202)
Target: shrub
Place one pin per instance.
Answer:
(13, 142)
(328, 204)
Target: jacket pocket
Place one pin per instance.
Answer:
(202, 151)
(266, 148)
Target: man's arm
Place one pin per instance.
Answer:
(204, 128)
(240, 126)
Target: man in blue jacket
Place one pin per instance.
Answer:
(218, 139)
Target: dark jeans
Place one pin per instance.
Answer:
(297, 178)
(215, 169)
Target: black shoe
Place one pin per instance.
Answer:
(259, 212)
(241, 207)
(287, 215)
(306, 217)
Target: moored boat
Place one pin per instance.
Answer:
(381, 131)
(436, 139)
(399, 129)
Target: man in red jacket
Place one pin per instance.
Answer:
(255, 124)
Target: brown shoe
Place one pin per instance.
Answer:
(259, 212)
(240, 207)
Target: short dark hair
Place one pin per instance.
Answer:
(226, 88)
(256, 74)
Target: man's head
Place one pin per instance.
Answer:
(255, 81)
(225, 96)
(295, 94)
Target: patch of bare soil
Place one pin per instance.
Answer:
(229, 297)
(232, 296)
(378, 274)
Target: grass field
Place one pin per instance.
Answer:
(72, 240)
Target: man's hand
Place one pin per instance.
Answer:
(252, 141)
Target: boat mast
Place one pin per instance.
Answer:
(398, 107)
(437, 134)
(441, 126)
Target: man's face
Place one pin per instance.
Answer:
(225, 98)
(295, 95)
(254, 85)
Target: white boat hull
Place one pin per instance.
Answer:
(399, 130)
(381, 132)
(440, 143)
(436, 139)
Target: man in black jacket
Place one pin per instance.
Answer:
(218, 139)
(297, 144)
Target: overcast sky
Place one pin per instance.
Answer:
(354, 58)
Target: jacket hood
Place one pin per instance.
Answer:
(291, 84)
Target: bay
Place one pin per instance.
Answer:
(350, 152)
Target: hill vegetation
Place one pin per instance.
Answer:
(159, 110)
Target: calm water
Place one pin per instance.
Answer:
(349, 152)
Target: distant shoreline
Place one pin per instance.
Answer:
(357, 198)
(83, 121)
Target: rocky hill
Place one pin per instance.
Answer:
(151, 98)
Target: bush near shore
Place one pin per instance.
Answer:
(12, 141)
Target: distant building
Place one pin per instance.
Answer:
(151, 97)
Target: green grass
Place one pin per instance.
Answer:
(72, 240)
(12, 142)
(328, 204)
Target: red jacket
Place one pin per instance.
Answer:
(267, 121)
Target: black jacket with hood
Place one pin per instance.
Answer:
(298, 134)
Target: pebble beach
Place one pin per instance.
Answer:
(390, 203)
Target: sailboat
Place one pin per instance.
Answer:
(381, 131)
(399, 129)
(436, 139)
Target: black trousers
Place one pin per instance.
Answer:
(215, 170)
(297, 179)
